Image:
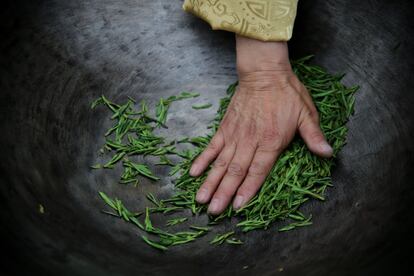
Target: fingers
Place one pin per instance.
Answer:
(215, 175)
(259, 169)
(309, 127)
(300, 87)
(209, 154)
(235, 173)
(312, 135)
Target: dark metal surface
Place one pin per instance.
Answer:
(57, 56)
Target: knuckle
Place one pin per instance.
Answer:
(250, 144)
(213, 146)
(225, 193)
(313, 114)
(271, 140)
(257, 168)
(208, 184)
(249, 190)
(220, 162)
(316, 136)
(271, 134)
(235, 169)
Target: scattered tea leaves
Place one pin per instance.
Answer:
(176, 221)
(295, 178)
(41, 209)
(202, 106)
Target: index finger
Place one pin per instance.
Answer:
(209, 154)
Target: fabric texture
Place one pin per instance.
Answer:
(266, 20)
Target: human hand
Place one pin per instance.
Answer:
(268, 107)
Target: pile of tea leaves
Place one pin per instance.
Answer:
(296, 177)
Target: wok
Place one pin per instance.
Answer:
(58, 56)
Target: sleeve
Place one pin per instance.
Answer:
(266, 20)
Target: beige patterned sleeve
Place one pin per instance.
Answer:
(266, 20)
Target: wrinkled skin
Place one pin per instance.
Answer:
(269, 106)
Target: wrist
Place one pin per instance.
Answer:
(257, 56)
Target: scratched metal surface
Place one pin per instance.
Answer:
(58, 56)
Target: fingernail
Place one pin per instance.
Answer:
(325, 147)
(194, 170)
(202, 195)
(214, 206)
(238, 202)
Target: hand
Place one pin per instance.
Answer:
(268, 107)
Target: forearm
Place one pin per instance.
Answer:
(255, 55)
(262, 64)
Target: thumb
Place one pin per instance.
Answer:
(312, 135)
